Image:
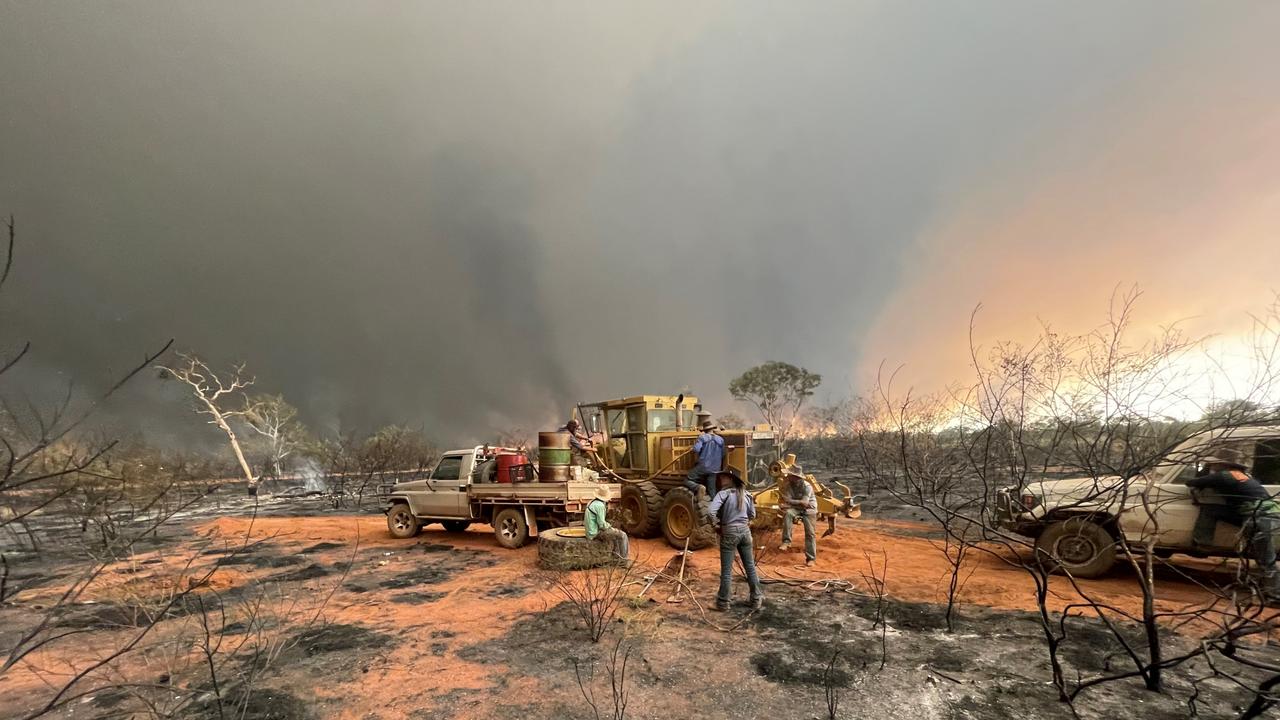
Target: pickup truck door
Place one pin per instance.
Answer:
(446, 494)
(1162, 509)
(1173, 510)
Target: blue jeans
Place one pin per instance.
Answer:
(737, 539)
(810, 532)
(621, 543)
(1262, 529)
(698, 477)
(1207, 522)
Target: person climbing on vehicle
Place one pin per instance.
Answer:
(1247, 504)
(599, 529)
(709, 449)
(731, 511)
(800, 503)
(580, 446)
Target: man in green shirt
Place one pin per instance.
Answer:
(598, 528)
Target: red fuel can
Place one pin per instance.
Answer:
(513, 467)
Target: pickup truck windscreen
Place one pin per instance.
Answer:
(450, 468)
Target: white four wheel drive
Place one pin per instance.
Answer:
(458, 493)
(1079, 523)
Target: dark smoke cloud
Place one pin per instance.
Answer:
(466, 217)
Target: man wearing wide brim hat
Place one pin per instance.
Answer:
(799, 503)
(1242, 501)
(709, 449)
(598, 527)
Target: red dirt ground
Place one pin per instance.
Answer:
(402, 681)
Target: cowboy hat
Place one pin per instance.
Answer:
(732, 475)
(708, 426)
(1222, 459)
(795, 471)
(603, 493)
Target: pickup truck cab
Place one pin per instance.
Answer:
(1081, 522)
(459, 492)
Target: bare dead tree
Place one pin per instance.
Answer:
(904, 447)
(616, 674)
(1099, 408)
(218, 398)
(831, 688)
(874, 577)
(594, 594)
(276, 422)
(54, 468)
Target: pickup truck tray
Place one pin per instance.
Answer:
(537, 493)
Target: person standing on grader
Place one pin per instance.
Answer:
(598, 528)
(709, 448)
(800, 503)
(732, 511)
(580, 446)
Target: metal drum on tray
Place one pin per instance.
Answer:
(554, 456)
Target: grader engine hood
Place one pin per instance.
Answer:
(769, 509)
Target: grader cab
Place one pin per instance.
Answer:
(645, 440)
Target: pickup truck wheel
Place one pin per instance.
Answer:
(456, 525)
(401, 522)
(1078, 546)
(641, 509)
(684, 516)
(510, 528)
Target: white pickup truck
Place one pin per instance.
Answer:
(455, 496)
(1080, 522)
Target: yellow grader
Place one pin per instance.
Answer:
(646, 441)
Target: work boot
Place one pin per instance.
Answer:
(810, 562)
(757, 603)
(721, 607)
(784, 547)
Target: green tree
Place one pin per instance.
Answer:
(778, 390)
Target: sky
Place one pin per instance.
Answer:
(469, 216)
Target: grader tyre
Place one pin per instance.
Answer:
(569, 549)
(684, 516)
(401, 523)
(641, 509)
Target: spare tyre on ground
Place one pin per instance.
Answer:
(568, 548)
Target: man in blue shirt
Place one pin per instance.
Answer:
(709, 448)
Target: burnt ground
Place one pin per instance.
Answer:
(450, 625)
(992, 667)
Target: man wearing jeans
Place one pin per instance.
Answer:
(732, 511)
(800, 502)
(598, 528)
